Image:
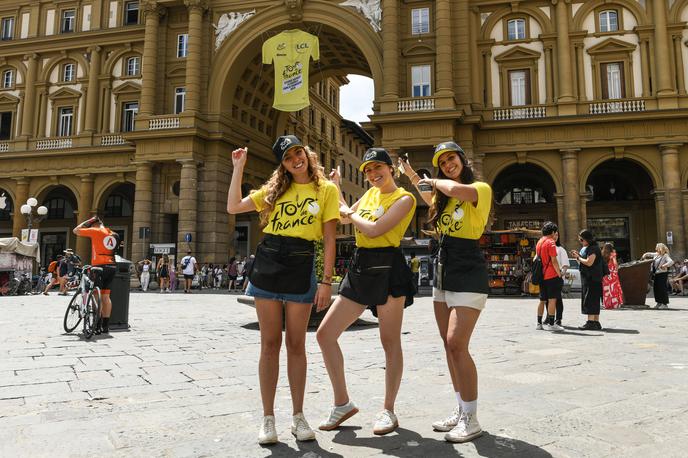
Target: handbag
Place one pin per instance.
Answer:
(281, 267)
(369, 273)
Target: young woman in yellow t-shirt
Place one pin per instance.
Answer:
(378, 278)
(297, 206)
(459, 209)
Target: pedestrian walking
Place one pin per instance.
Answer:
(232, 273)
(552, 282)
(612, 296)
(297, 206)
(379, 279)
(189, 269)
(459, 209)
(164, 273)
(173, 269)
(145, 267)
(592, 271)
(661, 263)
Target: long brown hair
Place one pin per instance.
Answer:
(281, 179)
(607, 251)
(439, 199)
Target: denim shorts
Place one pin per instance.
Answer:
(306, 298)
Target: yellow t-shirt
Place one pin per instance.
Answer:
(465, 220)
(372, 206)
(301, 211)
(291, 51)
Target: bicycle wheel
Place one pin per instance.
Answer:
(72, 316)
(91, 318)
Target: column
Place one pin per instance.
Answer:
(107, 96)
(478, 161)
(580, 70)
(487, 64)
(28, 107)
(564, 52)
(645, 66)
(20, 196)
(390, 48)
(93, 93)
(83, 244)
(678, 58)
(188, 206)
(549, 90)
(149, 65)
(475, 56)
(563, 228)
(193, 58)
(143, 208)
(43, 103)
(571, 220)
(664, 85)
(673, 214)
(444, 57)
(585, 197)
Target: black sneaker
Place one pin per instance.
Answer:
(588, 326)
(598, 326)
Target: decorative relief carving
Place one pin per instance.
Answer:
(227, 23)
(295, 9)
(370, 9)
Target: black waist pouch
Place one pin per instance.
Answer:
(460, 266)
(367, 281)
(283, 265)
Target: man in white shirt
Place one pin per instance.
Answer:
(564, 264)
(189, 268)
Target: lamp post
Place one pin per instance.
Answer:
(31, 217)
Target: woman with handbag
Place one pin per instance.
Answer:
(379, 279)
(297, 206)
(661, 263)
(592, 271)
(459, 209)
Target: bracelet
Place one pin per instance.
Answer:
(415, 175)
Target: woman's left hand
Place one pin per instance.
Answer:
(344, 210)
(430, 181)
(323, 297)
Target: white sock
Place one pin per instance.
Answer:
(469, 406)
(459, 401)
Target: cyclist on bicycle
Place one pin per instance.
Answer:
(104, 244)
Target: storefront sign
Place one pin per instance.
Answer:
(162, 248)
(535, 224)
(670, 238)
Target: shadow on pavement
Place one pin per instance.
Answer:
(306, 449)
(359, 324)
(620, 331)
(574, 331)
(407, 443)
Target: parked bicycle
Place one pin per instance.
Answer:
(85, 304)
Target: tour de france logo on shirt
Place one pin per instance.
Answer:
(296, 213)
(110, 242)
(453, 221)
(292, 77)
(372, 215)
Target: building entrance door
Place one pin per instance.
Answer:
(52, 244)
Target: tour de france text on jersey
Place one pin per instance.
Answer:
(294, 214)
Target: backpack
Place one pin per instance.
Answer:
(52, 267)
(186, 261)
(536, 272)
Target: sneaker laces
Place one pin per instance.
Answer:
(268, 424)
(384, 417)
(464, 421)
(301, 425)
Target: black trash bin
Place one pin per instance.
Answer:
(119, 294)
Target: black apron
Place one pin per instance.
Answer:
(283, 265)
(460, 266)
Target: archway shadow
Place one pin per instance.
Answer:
(406, 443)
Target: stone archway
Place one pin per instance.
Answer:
(621, 207)
(7, 209)
(524, 196)
(56, 231)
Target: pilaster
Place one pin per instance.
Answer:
(93, 94)
(188, 205)
(390, 55)
(566, 98)
(149, 66)
(21, 195)
(83, 244)
(143, 208)
(572, 211)
(673, 213)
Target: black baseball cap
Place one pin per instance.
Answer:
(375, 155)
(442, 148)
(284, 144)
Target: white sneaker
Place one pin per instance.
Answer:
(663, 307)
(338, 415)
(556, 327)
(548, 327)
(538, 327)
(300, 428)
(385, 423)
(466, 430)
(267, 433)
(448, 423)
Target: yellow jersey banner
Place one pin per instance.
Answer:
(291, 52)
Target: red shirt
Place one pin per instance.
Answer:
(547, 249)
(103, 244)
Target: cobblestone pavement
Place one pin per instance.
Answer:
(183, 382)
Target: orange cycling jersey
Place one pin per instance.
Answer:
(103, 244)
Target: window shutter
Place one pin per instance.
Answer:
(603, 80)
(528, 94)
(623, 80)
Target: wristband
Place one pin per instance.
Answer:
(325, 283)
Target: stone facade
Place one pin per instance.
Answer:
(574, 111)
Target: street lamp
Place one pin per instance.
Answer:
(27, 211)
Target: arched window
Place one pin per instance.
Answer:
(8, 79)
(56, 208)
(133, 67)
(516, 29)
(117, 206)
(5, 206)
(609, 21)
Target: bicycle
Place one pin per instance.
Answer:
(85, 304)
